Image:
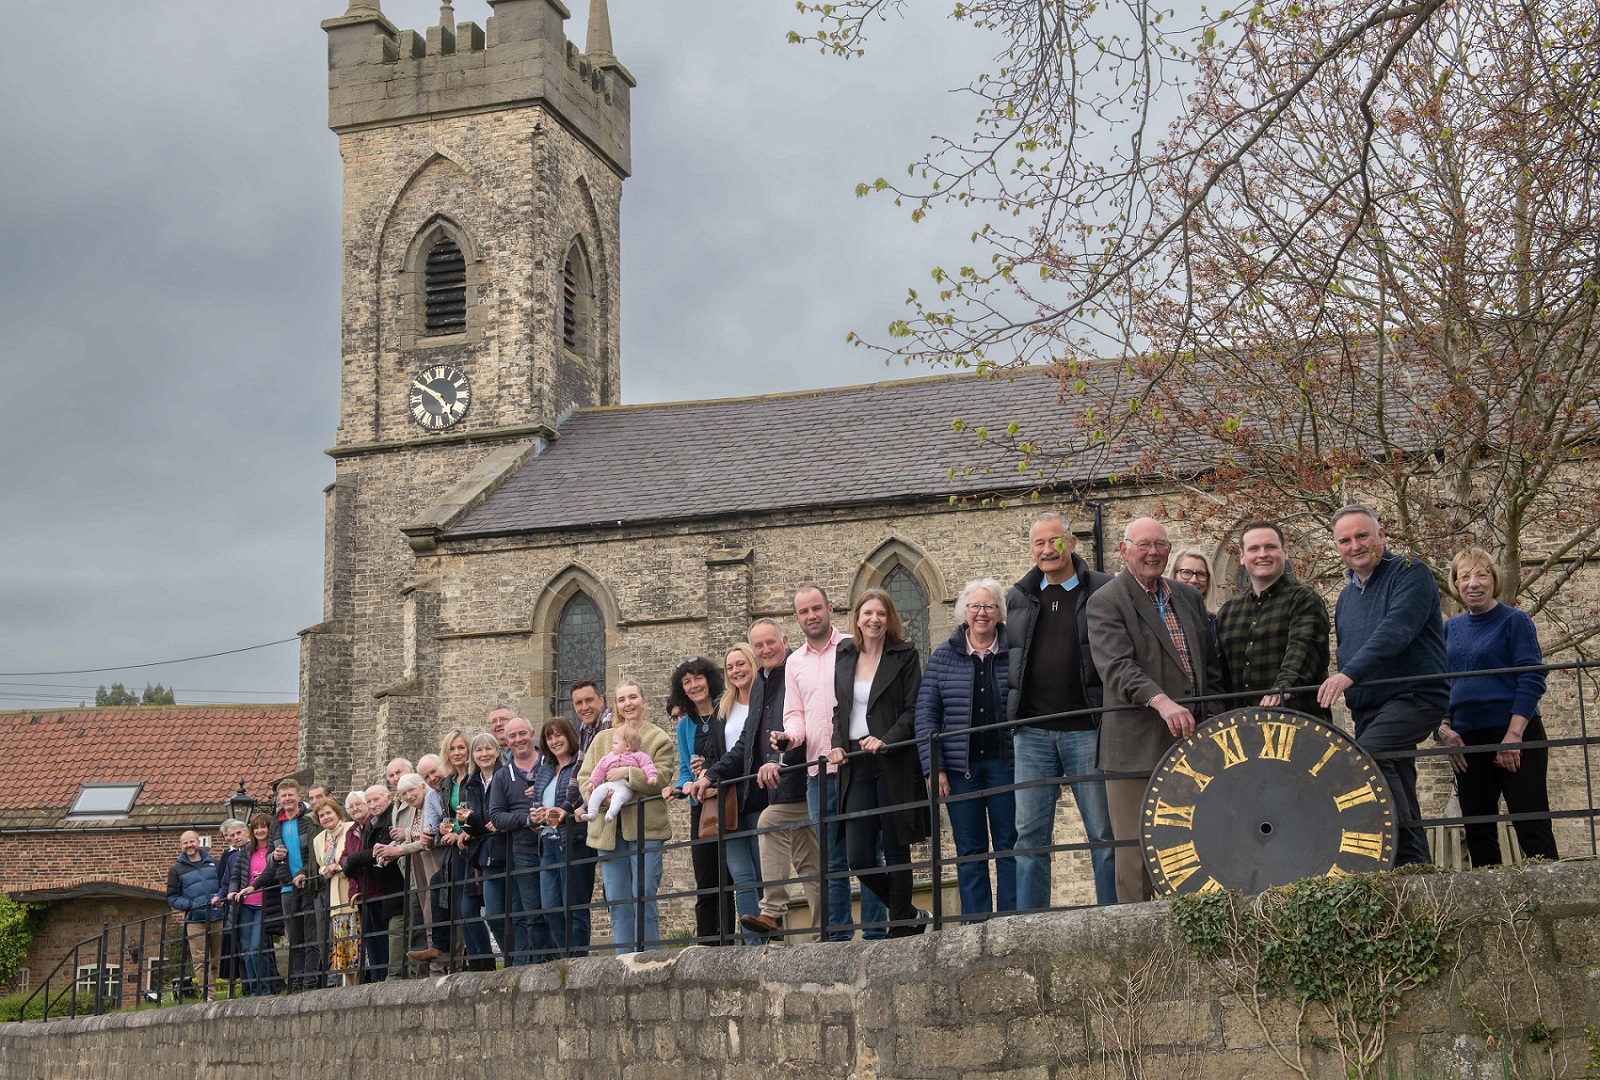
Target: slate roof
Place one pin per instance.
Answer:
(185, 755)
(885, 442)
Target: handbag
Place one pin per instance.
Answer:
(722, 807)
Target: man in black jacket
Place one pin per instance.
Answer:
(779, 798)
(1052, 672)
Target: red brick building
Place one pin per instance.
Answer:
(96, 800)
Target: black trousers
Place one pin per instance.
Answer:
(714, 917)
(1401, 723)
(1481, 787)
(868, 789)
(305, 951)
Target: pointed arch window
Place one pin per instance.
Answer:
(580, 650)
(577, 302)
(445, 289)
(912, 602)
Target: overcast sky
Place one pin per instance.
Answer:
(169, 291)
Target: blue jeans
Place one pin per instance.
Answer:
(744, 867)
(973, 823)
(530, 942)
(496, 912)
(552, 884)
(872, 909)
(619, 870)
(1042, 753)
(250, 949)
(468, 911)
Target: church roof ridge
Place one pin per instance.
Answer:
(812, 392)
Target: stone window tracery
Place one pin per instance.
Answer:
(580, 650)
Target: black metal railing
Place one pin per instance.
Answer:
(154, 949)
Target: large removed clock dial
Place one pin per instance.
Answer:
(1262, 797)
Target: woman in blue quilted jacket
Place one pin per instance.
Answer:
(964, 689)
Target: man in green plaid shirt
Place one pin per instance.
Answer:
(1276, 635)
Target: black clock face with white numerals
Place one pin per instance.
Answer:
(438, 397)
(1260, 797)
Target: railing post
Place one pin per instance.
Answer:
(724, 879)
(936, 868)
(100, 969)
(638, 880)
(566, 887)
(822, 845)
(1588, 769)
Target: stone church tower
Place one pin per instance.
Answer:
(483, 171)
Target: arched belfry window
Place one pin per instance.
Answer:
(445, 289)
(912, 603)
(577, 302)
(580, 650)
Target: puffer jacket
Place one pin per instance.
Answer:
(944, 703)
(191, 885)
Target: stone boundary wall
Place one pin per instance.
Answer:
(1065, 996)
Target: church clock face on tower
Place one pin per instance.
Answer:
(439, 397)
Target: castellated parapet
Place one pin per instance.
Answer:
(379, 75)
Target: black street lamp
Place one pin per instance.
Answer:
(240, 804)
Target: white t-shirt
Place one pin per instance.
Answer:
(737, 715)
(858, 709)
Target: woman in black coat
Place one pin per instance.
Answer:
(876, 677)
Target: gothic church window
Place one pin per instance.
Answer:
(912, 603)
(577, 302)
(580, 650)
(445, 289)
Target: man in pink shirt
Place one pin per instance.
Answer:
(808, 702)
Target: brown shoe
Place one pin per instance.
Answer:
(420, 955)
(765, 925)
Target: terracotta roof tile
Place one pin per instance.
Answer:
(184, 755)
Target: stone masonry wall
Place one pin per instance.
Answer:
(1021, 998)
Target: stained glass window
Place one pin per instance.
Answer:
(580, 650)
(912, 603)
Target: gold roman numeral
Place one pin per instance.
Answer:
(1181, 817)
(1368, 844)
(1211, 885)
(1362, 794)
(1178, 864)
(1336, 871)
(1232, 748)
(1182, 766)
(1276, 740)
(1333, 748)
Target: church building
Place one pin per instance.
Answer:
(500, 525)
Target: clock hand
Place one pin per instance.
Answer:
(443, 404)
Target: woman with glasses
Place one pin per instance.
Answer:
(963, 689)
(875, 681)
(1191, 567)
(696, 685)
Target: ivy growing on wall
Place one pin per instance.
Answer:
(18, 922)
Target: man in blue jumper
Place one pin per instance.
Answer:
(1389, 626)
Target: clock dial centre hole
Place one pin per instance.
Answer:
(1266, 828)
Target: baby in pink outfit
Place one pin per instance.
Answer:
(629, 756)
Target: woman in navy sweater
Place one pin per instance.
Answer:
(1489, 710)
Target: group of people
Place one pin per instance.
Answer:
(491, 845)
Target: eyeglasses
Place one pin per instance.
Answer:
(983, 609)
(1149, 545)
(1191, 575)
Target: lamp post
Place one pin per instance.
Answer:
(240, 804)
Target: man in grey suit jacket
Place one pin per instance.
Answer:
(1152, 644)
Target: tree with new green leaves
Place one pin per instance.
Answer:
(119, 696)
(1291, 255)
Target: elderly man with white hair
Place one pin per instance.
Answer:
(408, 848)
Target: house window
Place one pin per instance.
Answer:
(912, 603)
(102, 802)
(109, 978)
(580, 650)
(445, 289)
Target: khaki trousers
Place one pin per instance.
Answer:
(794, 846)
(1125, 800)
(205, 950)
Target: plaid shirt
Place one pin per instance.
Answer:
(1161, 597)
(1275, 640)
(586, 736)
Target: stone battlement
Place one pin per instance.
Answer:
(379, 75)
